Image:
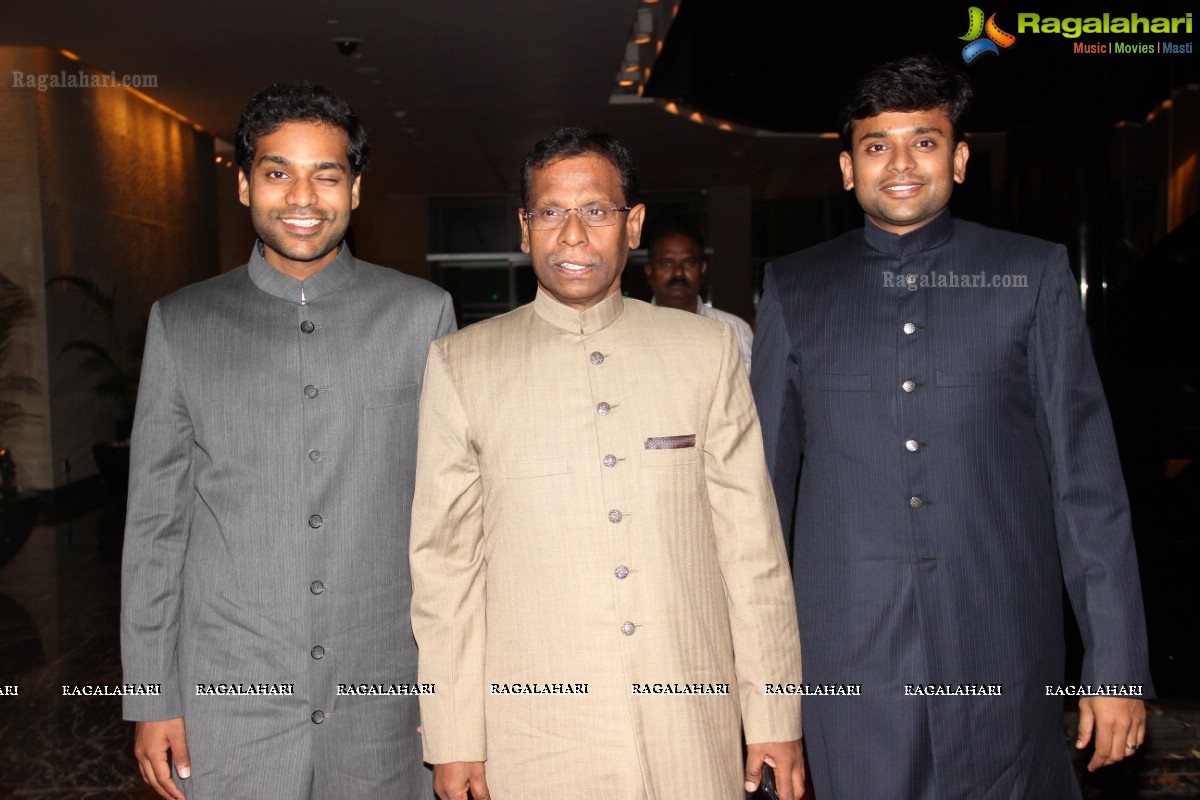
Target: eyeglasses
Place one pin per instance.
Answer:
(594, 215)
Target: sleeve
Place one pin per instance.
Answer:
(158, 520)
(776, 384)
(446, 559)
(758, 586)
(1095, 538)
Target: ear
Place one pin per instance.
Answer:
(847, 165)
(243, 188)
(703, 267)
(524, 230)
(961, 154)
(633, 225)
(649, 272)
(354, 190)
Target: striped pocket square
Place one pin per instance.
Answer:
(671, 442)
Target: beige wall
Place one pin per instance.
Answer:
(123, 194)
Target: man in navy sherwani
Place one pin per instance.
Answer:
(959, 464)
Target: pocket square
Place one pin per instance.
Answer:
(671, 442)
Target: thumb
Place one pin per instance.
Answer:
(179, 753)
(754, 765)
(1087, 721)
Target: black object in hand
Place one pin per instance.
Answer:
(766, 788)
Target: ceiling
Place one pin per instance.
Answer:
(453, 93)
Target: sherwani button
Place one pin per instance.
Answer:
(610, 461)
(909, 328)
(603, 408)
(628, 628)
(910, 278)
(596, 358)
(315, 521)
(614, 516)
(314, 455)
(310, 391)
(307, 327)
(622, 572)
(909, 386)
(915, 502)
(912, 445)
(317, 652)
(316, 587)
(318, 717)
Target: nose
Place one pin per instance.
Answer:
(573, 232)
(301, 193)
(901, 160)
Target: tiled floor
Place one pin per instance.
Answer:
(59, 601)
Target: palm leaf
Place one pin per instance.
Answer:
(105, 301)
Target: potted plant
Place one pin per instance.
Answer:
(116, 363)
(18, 511)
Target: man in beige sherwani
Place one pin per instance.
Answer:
(600, 589)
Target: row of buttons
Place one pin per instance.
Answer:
(314, 521)
(910, 386)
(615, 515)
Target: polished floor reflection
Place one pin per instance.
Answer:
(59, 601)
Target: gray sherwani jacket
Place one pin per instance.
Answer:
(959, 464)
(267, 534)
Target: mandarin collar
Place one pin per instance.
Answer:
(327, 280)
(926, 237)
(562, 316)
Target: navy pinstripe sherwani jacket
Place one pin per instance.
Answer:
(959, 464)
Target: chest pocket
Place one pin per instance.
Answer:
(831, 382)
(534, 468)
(952, 378)
(391, 396)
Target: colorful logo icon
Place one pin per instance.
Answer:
(996, 38)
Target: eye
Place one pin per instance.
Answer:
(594, 211)
(550, 213)
(875, 148)
(926, 144)
(276, 175)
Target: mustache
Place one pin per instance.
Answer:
(680, 281)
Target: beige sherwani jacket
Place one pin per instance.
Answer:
(593, 512)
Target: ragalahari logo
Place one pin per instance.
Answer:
(996, 38)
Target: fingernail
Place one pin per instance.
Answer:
(750, 787)
(185, 772)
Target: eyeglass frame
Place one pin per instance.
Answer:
(529, 215)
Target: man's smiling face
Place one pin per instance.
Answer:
(300, 193)
(903, 167)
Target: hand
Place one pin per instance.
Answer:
(151, 741)
(1117, 721)
(452, 781)
(786, 758)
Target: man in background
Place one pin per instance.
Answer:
(265, 579)
(676, 272)
(959, 463)
(600, 589)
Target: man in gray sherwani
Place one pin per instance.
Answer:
(265, 583)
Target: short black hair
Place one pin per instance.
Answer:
(675, 229)
(917, 83)
(281, 103)
(571, 142)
